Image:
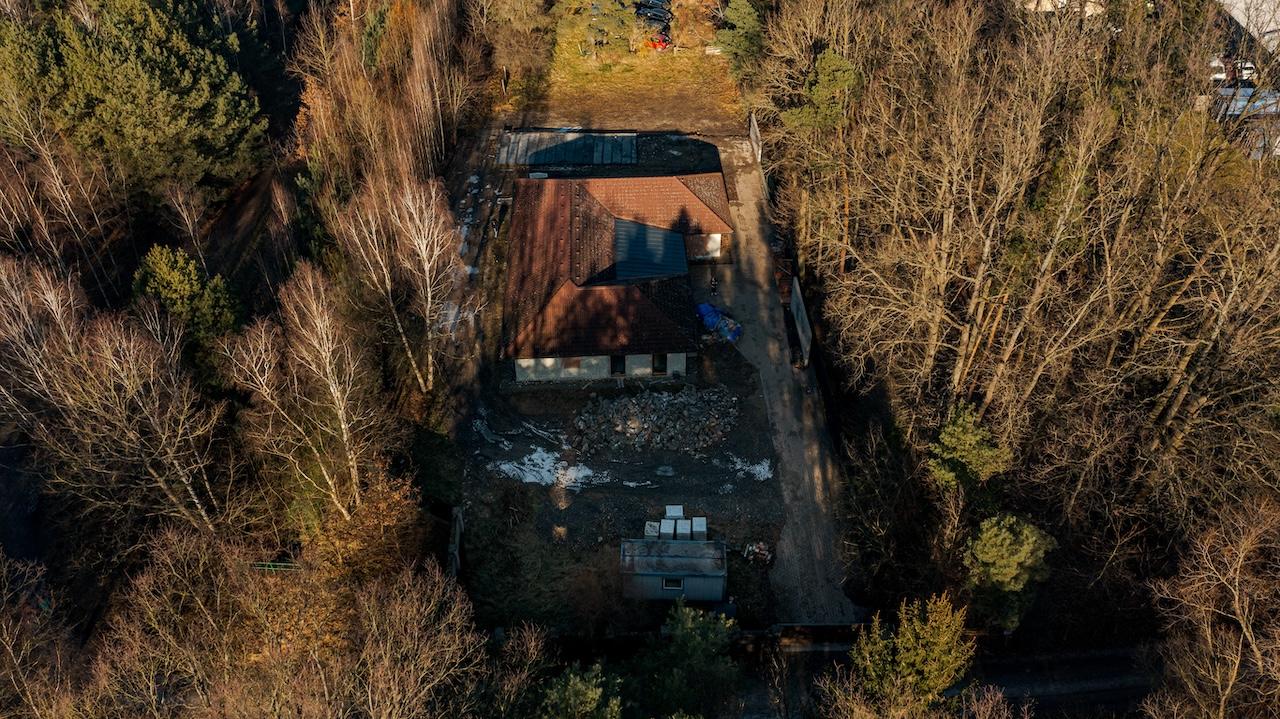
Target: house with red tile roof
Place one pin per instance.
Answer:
(597, 280)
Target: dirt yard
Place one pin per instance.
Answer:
(565, 513)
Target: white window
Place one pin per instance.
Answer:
(673, 583)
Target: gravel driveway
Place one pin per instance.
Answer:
(807, 572)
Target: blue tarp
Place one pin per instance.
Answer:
(715, 319)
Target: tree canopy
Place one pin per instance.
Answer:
(149, 88)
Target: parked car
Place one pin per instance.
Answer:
(655, 14)
(653, 4)
(660, 40)
(1228, 71)
(663, 27)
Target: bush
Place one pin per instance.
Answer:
(578, 694)
(1005, 558)
(689, 668)
(202, 305)
(964, 454)
(928, 653)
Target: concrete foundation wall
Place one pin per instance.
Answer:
(552, 369)
(549, 369)
(639, 365)
(676, 365)
(642, 365)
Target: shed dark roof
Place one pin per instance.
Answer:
(585, 279)
(673, 557)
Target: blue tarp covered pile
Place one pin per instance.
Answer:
(715, 319)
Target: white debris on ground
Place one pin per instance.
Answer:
(688, 421)
(638, 485)
(759, 471)
(546, 468)
(726, 488)
(482, 428)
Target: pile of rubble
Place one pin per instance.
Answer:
(688, 421)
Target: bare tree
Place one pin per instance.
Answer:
(427, 245)
(361, 227)
(201, 633)
(34, 651)
(188, 206)
(1095, 275)
(420, 653)
(1222, 610)
(316, 415)
(114, 416)
(359, 119)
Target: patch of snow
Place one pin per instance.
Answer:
(726, 488)
(760, 471)
(547, 469)
(452, 316)
(638, 485)
(472, 270)
(473, 179)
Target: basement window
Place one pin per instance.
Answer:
(571, 363)
(618, 365)
(673, 583)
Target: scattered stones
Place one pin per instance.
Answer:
(686, 421)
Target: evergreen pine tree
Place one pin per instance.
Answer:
(150, 88)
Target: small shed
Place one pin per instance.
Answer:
(673, 568)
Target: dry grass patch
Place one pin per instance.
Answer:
(678, 89)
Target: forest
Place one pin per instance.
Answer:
(238, 339)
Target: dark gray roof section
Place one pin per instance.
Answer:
(554, 147)
(673, 557)
(642, 252)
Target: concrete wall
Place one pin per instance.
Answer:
(551, 369)
(676, 364)
(696, 589)
(639, 365)
(546, 369)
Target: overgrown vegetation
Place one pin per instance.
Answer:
(1057, 270)
(1029, 241)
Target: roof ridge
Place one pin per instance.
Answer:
(679, 180)
(683, 183)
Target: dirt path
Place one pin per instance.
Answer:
(807, 572)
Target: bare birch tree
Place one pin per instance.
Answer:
(363, 232)
(316, 415)
(427, 245)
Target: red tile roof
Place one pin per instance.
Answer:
(560, 299)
